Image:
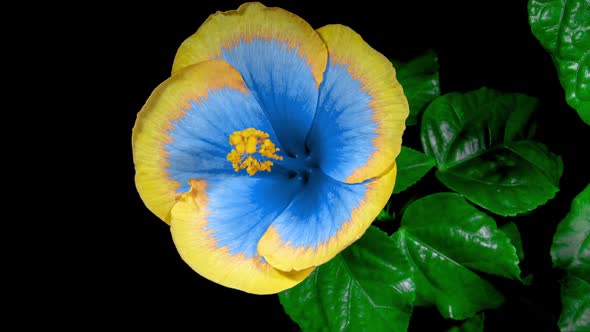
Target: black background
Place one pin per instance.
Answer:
(135, 278)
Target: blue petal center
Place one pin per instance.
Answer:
(282, 81)
(301, 167)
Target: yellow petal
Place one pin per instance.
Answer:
(253, 20)
(388, 107)
(285, 254)
(166, 105)
(199, 249)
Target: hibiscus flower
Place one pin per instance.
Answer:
(271, 148)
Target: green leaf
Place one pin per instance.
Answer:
(570, 251)
(411, 167)
(445, 238)
(367, 287)
(563, 28)
(385, 216)
(419, 78)
(575, 303)
(456, 126)
(511, 179)
(571, 242)
(474, 324)
(463, 233)
(513, 234)
(481, 143)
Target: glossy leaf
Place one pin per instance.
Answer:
(419, 78)
(563, 28)
(571, 242)
(513, 234)
(571, 252)
(367, 287)
(508, 180)
(481, 143)
(575, 303)
(459, 126)
(463, 233)
(411, 167)
(445, 240)
(473, 324)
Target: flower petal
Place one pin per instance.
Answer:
(183, 129)
(217, 224)
(280, 57)
(325, 217)
(361, 112)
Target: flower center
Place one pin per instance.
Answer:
(250, 144)
(300, 167)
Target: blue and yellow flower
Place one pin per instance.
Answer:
(271, 147)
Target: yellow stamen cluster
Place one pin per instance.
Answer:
(246, 143)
